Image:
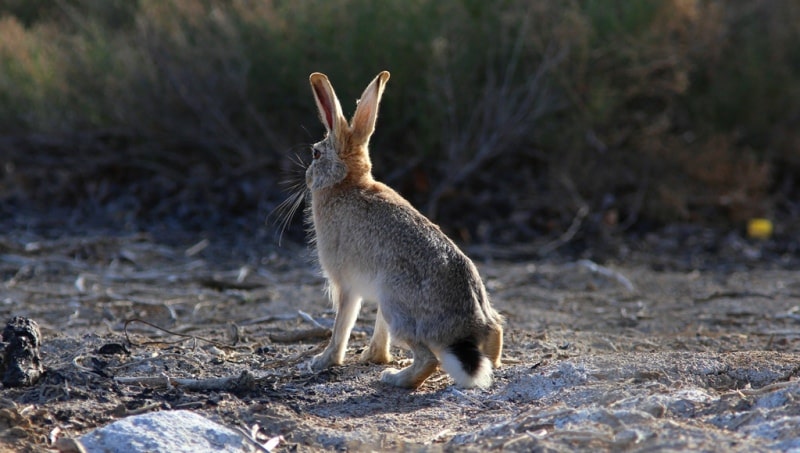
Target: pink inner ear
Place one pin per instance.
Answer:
(326, 106)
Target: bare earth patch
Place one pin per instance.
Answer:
(615, 357)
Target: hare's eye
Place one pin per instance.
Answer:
(315, 153)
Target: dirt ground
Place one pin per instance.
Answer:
(636, 354)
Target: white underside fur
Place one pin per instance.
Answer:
(453, 367)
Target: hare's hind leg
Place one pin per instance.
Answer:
(425, 363)
(378, 350)
(347, 306)
(493, 346)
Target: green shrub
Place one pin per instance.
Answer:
(525, 110)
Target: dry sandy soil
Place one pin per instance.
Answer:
(633, 356)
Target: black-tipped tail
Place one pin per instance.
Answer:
(467, 352)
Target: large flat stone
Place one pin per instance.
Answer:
(166, 431)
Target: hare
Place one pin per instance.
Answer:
(373, 245)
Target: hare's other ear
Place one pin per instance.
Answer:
(330, 112)
(363, 123)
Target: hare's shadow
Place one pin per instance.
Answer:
(381, 398)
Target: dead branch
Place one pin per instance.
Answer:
(219, 284)
(253, 433)
(295, 336)
(317, 332)
(608, 272)
(577, 221)
(498, 120)
(197, 248)
(567, 236)
(520, 250)
(732, 295)
(767, 388)
(297, 358)
(162, 356)
(184, 337)
(244, 381)
(69, 445)
(310, 319)
(266, 319)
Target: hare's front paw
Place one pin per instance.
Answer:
(324, 360)
(376, 355)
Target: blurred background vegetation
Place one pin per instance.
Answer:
(506, 121)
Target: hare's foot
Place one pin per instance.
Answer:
(327, 358)
(425, 363)
(376, 354)
(493, 347)
(347, 309)
(378, 350)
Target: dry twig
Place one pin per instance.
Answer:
(184, 337)
(244, 381)
(295, 336)
(607, 272)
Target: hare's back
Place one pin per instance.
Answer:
(404, 231)
(406, 244)
(375, 233)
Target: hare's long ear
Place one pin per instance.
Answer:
(363, 123)
(330, 112)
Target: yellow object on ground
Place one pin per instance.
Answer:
(759, 228)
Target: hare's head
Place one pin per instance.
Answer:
(343, 155)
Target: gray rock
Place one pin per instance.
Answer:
(167, 431)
